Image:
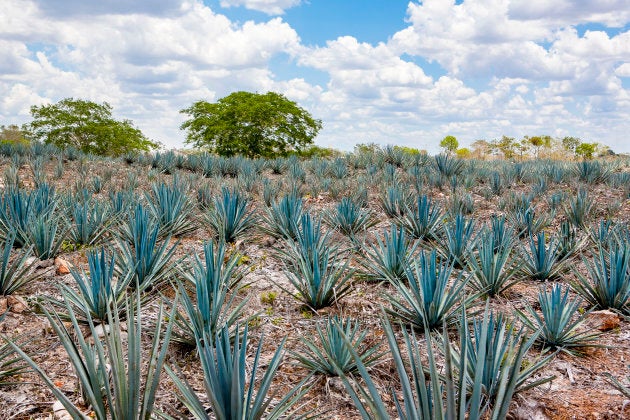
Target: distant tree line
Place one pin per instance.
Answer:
(249, 124)
(541, 146)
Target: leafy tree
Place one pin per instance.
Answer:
(586, 150)
(367, 148)
(463, 153)
(86, 125)
(570, 143)
(314, 151)
(537, 142)
(506, 145)
(481, 149)
(12, 134)
(450, 144)
(250, 124)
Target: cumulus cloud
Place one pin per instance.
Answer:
(271, 7)
(141, 63)
(506, 67)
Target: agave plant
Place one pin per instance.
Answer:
(592, 172)
(172, 208)
(18, 209)
(388, 259)
(332, 354)
(230, 384)
(423, 220)
(448, 166)
(148, 260)
(108, 371)
(121, 202)
(609, 287)
(456, 391)
(395, 201)
(458, 239)
(283, 217)
(492, 270)
(15, 271)
(579, 210)
(429, 300)
(560, 322)
(543, 261)
(230, 216)
(568, 241)
(90, 221)
(46, 234)
(503, 236)
(314, 267)
(98, 291)
(495, 349)
(215, 283)
(350, 217)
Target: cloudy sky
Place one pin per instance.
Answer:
(384, 71)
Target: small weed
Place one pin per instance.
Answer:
(268, 298)
(254, 322)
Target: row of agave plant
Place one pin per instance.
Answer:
(436, 261)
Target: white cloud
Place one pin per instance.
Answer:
(271, 7)
(623, 70)
(509, 67)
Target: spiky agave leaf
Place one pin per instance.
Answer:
(388, 259)
(15, 271)
(430, 299)
(422, 221)
(558, 325)
(283, 217)
(609, 272)
(145, 257)
(231, 215)
(543, 261)
(314, 267)
(331, 353)
(349, 217)
(99, 290)
(216, 287)
(230, 384)
(172, 209)
(109, 373)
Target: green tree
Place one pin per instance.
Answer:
(450, 144)
(13, 134)
(570, 143)
(506, 145)
(86, 125)
(586, 150)
(250, 124)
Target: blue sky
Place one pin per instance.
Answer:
(384, 71)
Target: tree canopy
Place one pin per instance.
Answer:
(450, 144)
(87, 126)
(12, 134)
(250, 124)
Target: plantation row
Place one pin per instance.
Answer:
(441, 237)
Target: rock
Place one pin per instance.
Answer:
(604, 320)
(63, 266)
(46, 263)
(60, 412)
(31, 261)
(16, 304)
(101, 330)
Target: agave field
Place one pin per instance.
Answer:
(374, 285)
